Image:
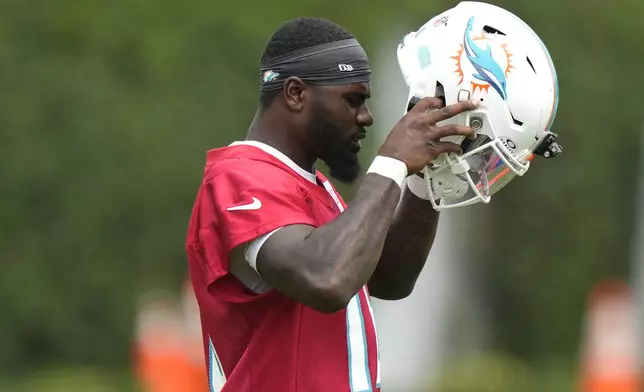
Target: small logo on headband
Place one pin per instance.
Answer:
(345, 67)
(269, 76)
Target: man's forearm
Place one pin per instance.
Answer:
(352, 243)
(409, 240)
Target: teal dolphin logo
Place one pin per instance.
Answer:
(269, 76)
(487, 68)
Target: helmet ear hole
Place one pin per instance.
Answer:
(412, 102)
(440, 92)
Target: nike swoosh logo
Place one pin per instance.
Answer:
(255, 205)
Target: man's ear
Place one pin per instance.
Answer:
(295, 93)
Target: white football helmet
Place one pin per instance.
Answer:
(480, 51)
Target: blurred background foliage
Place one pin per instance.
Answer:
(107, 109)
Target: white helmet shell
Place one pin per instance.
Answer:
(480, 51)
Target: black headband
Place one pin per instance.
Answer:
(341, 62)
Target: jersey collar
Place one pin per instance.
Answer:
(278, 155)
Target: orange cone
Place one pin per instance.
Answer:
(609, 357)
(168, 355)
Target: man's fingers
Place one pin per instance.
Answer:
(454, 130)
(426, 104)
(452, 110)
(435, 103)
(442, 147)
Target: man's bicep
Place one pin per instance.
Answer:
(243, 261)
(279, 250)
(282, 263)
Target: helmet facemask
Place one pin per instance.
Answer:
(484, 168)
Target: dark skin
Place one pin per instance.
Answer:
(409, 240)
(372, 242)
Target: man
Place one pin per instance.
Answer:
(282, 268)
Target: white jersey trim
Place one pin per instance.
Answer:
(279, 155)
(253, 249)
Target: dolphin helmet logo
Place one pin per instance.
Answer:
(487, 68)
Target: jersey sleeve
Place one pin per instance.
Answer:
(254, 200)
(252, 250)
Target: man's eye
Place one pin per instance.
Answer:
(355, 101)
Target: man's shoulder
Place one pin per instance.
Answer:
(251, 161)
(233, 160)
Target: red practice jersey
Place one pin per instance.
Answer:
(261, 340)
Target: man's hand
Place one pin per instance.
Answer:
(415, 139)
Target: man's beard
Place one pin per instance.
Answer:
(335, 148)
